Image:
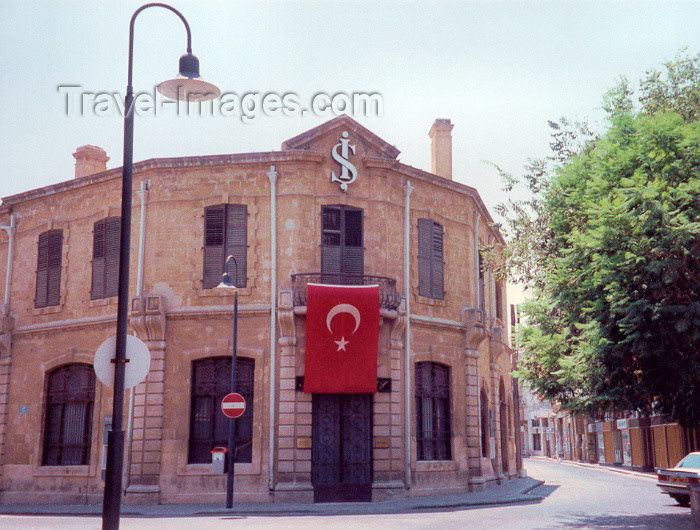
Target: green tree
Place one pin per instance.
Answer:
(610, 241)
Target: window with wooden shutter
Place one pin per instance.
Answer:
(105, 258)
(342, 251)
(70, 398)
(432, 391)
(499, 302)
(211, 381)
(430, 259)
(225, 234)
(482, 284)
(48, 269)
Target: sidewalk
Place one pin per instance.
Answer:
(603, 467)
(513, 491)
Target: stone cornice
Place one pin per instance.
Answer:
(217, 310)
(435, 180)
(270, 157)
(174, 314)
(432, 321)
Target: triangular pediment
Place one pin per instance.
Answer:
(319, 138)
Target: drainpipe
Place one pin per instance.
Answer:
(492, 291)
(10, 229)
(143, 196)
(408, 189)
(477, 289)
(272, 175)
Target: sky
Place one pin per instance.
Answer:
(499, 70)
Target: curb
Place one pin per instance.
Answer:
(405, 505)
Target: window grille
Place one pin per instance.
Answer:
(432, 388)
(70, 397)
(485, 423)
(209, 428)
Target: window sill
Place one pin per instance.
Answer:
(63, 471)
(48, 310)
(101, 302)
(205, 470)
(436, 465)
(228, 293)
(438, 302)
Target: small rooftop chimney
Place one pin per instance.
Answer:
(89, 159)
(441, 148)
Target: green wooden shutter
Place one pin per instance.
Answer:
(98, 260)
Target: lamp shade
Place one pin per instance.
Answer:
(226, 282)
(188, 84)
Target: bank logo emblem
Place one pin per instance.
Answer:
(348, 172)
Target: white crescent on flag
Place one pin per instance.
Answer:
(343, 308)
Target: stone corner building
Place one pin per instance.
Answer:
(333, 206)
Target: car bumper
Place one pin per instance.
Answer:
(673, 488)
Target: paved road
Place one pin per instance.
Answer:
(572, 497)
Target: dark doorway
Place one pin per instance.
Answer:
(341, 455)
(503, 412)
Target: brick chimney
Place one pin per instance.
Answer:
(441, 148)
(89, 159)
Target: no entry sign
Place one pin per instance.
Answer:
(233, 405)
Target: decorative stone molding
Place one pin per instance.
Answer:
(498, 343)
(285, 314)
(148, 318)
(476, 330)
(399, 327)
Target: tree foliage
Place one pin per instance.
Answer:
(609, 239)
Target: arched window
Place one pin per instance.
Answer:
(503, 420)
(211, 381)
(70, 398)
(485, 425)
(433, 411)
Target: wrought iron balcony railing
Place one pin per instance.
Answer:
(389, 298)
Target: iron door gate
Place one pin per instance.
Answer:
(341, 454)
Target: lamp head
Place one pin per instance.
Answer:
(227, 282)
(188, 85)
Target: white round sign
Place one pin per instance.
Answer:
(136, 369)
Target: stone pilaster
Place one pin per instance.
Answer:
(496, 400)
(148, 320)
(294, 425)
(395, 467)
(474, 336)
(7, 324)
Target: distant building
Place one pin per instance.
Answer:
(333, 206)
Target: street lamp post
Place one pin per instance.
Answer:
(187, 86)
(230, 283)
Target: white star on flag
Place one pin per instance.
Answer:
(341, 343)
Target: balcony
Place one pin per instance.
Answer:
(389, 298)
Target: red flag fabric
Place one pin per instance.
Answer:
(342, 337)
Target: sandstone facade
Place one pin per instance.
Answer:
(182, 322)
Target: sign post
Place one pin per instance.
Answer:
(233, 406)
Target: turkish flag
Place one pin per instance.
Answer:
(342, 338)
